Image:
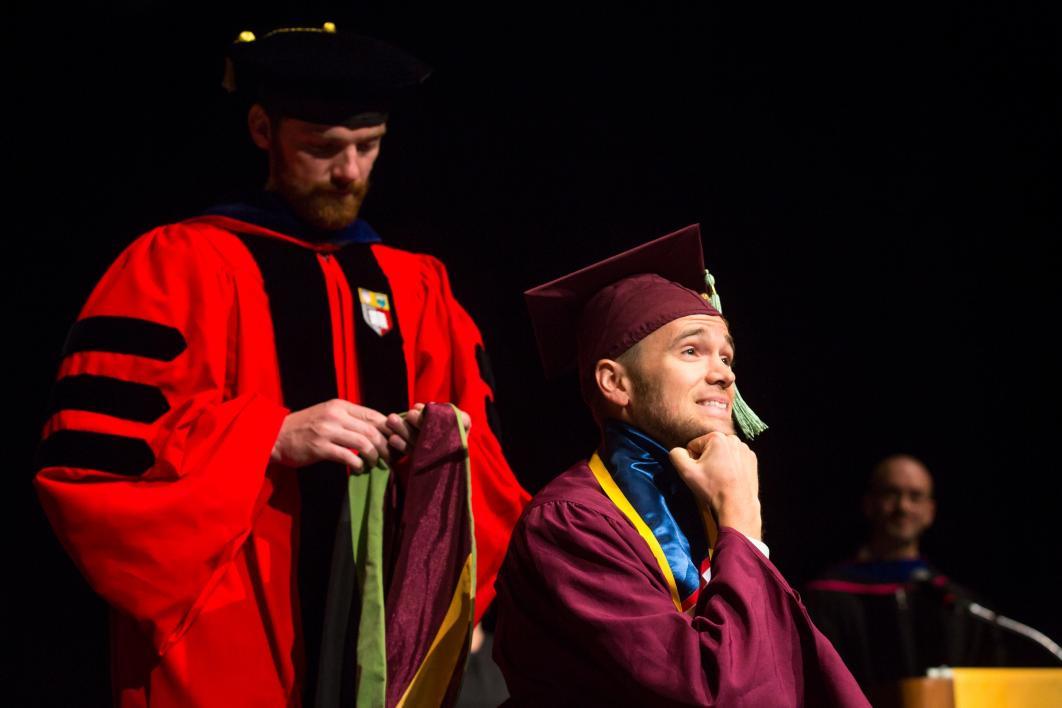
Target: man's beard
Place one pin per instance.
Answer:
(324, 207)
(321, 206)
(665, 425)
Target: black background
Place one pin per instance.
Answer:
(878, 189)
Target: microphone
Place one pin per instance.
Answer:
(1024, 630)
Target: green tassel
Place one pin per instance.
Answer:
(748, 422)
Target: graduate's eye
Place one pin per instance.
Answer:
(689, 351)
(729, 361)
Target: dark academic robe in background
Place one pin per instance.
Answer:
(586, 618)
(895, 619)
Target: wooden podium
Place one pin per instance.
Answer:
(975, 688)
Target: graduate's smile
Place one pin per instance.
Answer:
(717, 405)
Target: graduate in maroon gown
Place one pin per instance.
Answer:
(639, 577)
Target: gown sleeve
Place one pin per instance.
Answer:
(458, 372)
(151, 467)
(591, 582)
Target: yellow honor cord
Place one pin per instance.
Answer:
(608, 485)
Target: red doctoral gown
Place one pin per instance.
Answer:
(585, 617)
(155, 466)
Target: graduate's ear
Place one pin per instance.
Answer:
(613, 382)
(260, 126)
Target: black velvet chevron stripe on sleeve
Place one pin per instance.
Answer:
(125, 335)
(137, 402)
(119, 454)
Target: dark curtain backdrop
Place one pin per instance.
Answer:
(878, 188)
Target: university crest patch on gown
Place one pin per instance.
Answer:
(376, 310)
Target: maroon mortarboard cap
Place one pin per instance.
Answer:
(603, 310)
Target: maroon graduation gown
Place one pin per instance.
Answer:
(586, 618)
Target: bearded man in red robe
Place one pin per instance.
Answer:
(227, 389)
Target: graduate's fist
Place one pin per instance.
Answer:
(333, 431)
(721, 471)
